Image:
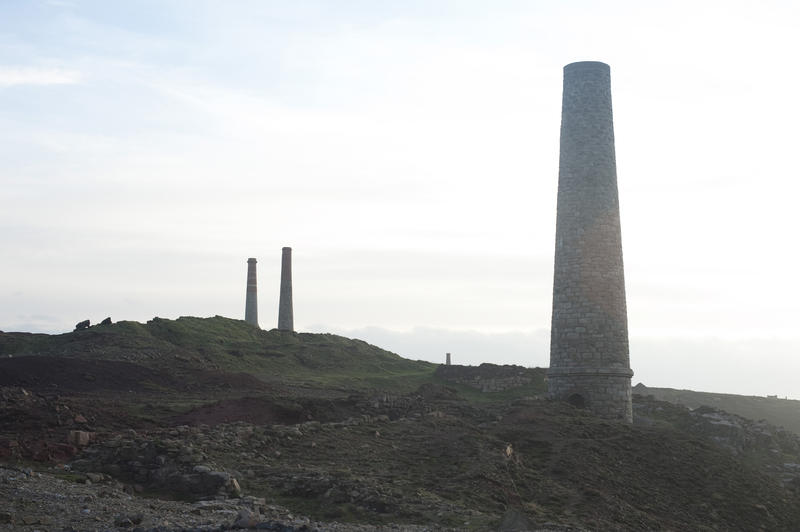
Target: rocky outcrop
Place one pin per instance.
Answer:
(80, 438)
(161, 462)
(31, 500)
(774, 450)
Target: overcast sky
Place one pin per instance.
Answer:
(408, 153)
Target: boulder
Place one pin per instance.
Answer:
(246, 519)
(80, 438)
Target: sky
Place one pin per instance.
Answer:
(408, 153)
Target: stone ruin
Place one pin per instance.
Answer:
(589, 360)
(486, 377)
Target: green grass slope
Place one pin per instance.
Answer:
(232, 346)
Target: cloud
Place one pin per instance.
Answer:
(749, 366)
(44, 323)
(11, 76)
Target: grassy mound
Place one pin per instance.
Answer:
(233, 346)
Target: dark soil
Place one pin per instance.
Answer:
(75, 375)
(59, 374)
(266, 411)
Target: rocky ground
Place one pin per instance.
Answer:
(423, 461)
(93, 444)
(45, 500)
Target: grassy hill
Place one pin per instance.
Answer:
(231, 346)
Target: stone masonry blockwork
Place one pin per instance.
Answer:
(589, 360)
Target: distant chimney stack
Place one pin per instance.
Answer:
(251, 302)
(447, 360)
(285, 312)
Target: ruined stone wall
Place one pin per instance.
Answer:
(589, 359)
(486, 377)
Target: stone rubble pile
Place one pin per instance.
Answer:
(41, 501)
(160, 462)
(487, 378)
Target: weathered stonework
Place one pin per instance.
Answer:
(589, 360)
(285, 311)
(486, 377)
(251, 301)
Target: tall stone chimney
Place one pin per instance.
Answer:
(251, 302)
(589, 360)
(285, 313)
(447, 359)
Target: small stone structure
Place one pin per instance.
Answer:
(251, 300)
(486, 377)
(285, 311)
(447, 359)
(589, 360)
